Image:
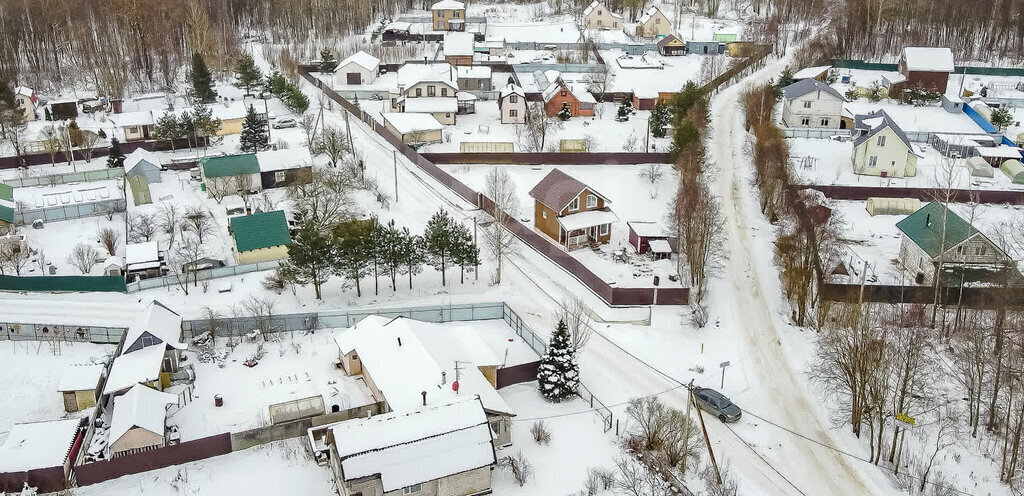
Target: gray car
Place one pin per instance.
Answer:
(717, 404)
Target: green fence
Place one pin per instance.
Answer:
(64, 284)
(877, 66)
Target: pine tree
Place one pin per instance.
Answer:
(201, 123)
(412, 254)
(311, 257)
(75, 133)
(276, 84)
(558, 375)
(786, 78)
(464, 252)
(564, 113)
(201, 80)
(438, 241)
(327, 62)
(353, 240)
(391, 255)
(295, 99)
(249, 76)
(168, 128)
(254, 135)
(114, 157)
(660, 118)
(625, 107)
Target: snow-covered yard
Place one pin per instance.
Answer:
(31, 372)
(281, 467)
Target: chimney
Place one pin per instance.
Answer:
(927, 220)
(117, 104)
(424, 394)
(399, 342)
(444, 378)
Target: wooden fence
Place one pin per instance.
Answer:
(973, 297)
(611, 295)
(548, 158)
(190, 451)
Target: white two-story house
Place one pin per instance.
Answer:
(428, 89)
(811, 103)
(881, 148)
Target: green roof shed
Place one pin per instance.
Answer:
(257, 231)
(230, 165)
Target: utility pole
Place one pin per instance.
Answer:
(686, 436)
(394, 156)
(707, 441)
(860, 299)
(476, 265)
(348, 131)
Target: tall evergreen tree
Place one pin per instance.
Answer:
(202, 123)
(295, 99)
(276, 83)
(438, 239)
(786, 78)
(464, 252)
(660, 118)
(311, 257)
(558, 375)
(412, 254)
(353, 239)
(168, 128)
(201, 80)
(625, 107)
(249, 76)
(254, 135)
(115, 158)
(327, 62)
(391, 254)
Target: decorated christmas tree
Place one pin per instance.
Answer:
(558, 374)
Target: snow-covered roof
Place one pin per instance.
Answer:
(362, 59)
(461, 344)
(557, 189)
(473, 72)
(465, 96)
(596, 3)
(135, 253)
(659, 246)
(24, 91)
(928, 59)
(647, 229)
(133, 119)
(413, 447)
(811, 72)
(448, 5)
(648, 15)
(139, 156)
(892, 78)
(458, 43)
(511, 89)
(160, 322)
(132, 368)
(288, 158)
(401, 26)
(142, 407)
(808, 85)
(431, 104)
(411, 74)
(1001, 151)
(409, 122)
(80, 378)
(875, 122)
(587, 219)
(233, 110)
(38, 445)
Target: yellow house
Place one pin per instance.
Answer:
(232, 115)
(881, 148)
(78, 386)
(27, 101)
(653, 23)
(448, 15)
(260, 237)
(597, 16)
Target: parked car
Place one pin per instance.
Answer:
(283, 123)
(717, 404)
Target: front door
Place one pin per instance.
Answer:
(352, 78)
(592, 232)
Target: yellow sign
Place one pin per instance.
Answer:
(902, 417)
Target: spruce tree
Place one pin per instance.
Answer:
(438, 240)
(201, 123)
(660, 118)
(201, 80)
(327, 62)
(558, 375)
(276, 84)
(412, 254)
(115, 158)
(254, 135)
(391, 251)
(464, 252)
(249, 76)
(295, 99)
(786, 78)
(564, 113)
(625, 107)
(311, 257)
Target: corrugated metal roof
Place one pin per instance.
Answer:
(557, 189)
(924, 228)
(256, 231)
(6, 192)
(230, 165)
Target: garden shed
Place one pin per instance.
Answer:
(892, 206)
(1013, 170)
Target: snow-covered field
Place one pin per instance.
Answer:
(31, 371)
(281, 467)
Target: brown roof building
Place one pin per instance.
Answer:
(570, 212)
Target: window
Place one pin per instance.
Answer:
(496, 427)
(280, 176)
(133, 130)
(981, 250)
(598, 13)
(960, 250)
(574, 205)
(440, 13)
(149, 341)
(431, 91)
(824, 122)
(544, 214)
(456, 13)
(394, 101)
(448, 114)
(806, 121)
(872, 161)
(563, 92)
(419, 91)
(415, 488)
(513, 113)
(513, 99)
(807, 104)
(591, 201)
(657, 20)
(604, 228)
(881, 141)
(440, 24)
(444, 91)
(615, 24)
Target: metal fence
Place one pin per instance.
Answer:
(70, 177)
(571, 68)
(598, 406)
(915, 136)
(875, 66)
(193, 279)
(540, 45)
(69, 212)
(60, 333)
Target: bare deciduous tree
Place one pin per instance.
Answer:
(501, 189)
(198, 221)
(576, 315)
(142, 226)
(83, 257)
(14, 255)
(110, 239)
(326, 199)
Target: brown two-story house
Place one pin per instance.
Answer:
(925, 67)
(570, 212)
